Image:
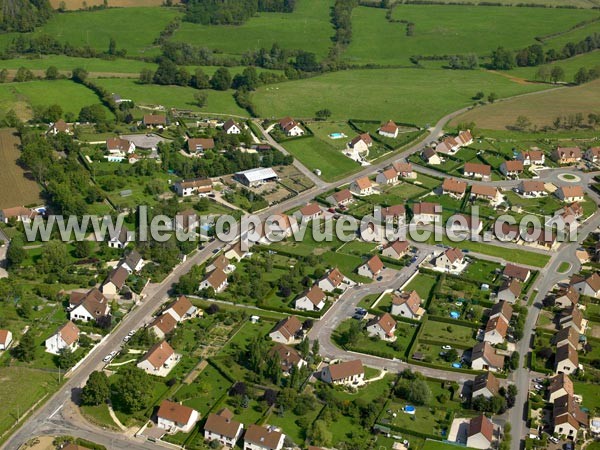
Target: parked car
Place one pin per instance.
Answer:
(446, 347)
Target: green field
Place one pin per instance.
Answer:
(441, 30)
(307, 28)
(570, 66)
(134, 29)
(68, 63)
(172, 96)
(69, 95)
(541, 112)
(417, 96)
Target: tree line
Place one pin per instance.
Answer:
(232, 12)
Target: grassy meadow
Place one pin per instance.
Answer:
(307, 28)
(416, 96)
(441, 30)
(172, 96)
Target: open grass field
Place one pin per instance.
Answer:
(541, 112)
(307, 28)
(574, 35)
(68, 63)
(418, 96)
(70, 5)
(20, 389)
(440, 30)
(132, 28)
(570, 66)
(172, 96)
(69, 95)
(16, 189)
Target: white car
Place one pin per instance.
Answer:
(446, 347)
(131, 333)
(107, 358)
(126, 338)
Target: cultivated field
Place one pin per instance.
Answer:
(15, 188)
(66, 93)
(416, 96)
(541, 112)
(172, 96)
(307, 28)
(71, 5)
(440, 30)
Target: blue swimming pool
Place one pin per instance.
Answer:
(456, 365)
(454, 314)
(337, 135)
(409, 409)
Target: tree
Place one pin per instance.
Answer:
(479, 95)
(319, 434)
(352, 334)
(323, 114)
(201, 99)
(492, 97)
(200, 80)
(112, 47)
(304, 348)
(79, 75)
(93, 114)
(451, 355)
(82, 249)
(66, 358)
(582, 76)
(419, 392)
(146, 76)
(133, 389)
(15, 253)
(503, 59)
(543, 73)
(51, 73)
(221, 79)
(557, 74)
(23, 74)
(522, 122)
(26, 349)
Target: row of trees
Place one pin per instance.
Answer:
(232, 12)
(534, 55)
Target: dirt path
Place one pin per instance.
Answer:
(512, 78)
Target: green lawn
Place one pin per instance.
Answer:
(69, 95)
(440, 30)
(439, 331)
(317, 154)
(202, 394)
(422, 95)
(99, 415)
(307, 28)
(172, 96)
(589, 392)
(20, 389)
(423, 284)
(482, 271)
(438, 445)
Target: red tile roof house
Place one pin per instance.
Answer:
(335, 280)
(396, 249)
(388, 129)
(290, 127)
(90, 306)
(532, 157)
(560, 385)
(531, 188)
(182, 309)
(502, 309)
(159, 360)
(154, 120)
(222, 428)
(495, 330)
(388, 176)
(480, 433)
(383, 327)
(407, 304)
(589, 286)
(263, 438)
(311, 211)
(592, 154)
(231, 127)
(453, 187)
(362, 186)
(287, 331)
(570, 194)
(509, 291)
(162, 325)
(18, 213)
(6, 339)
(371, 268)
(216, 280)
(195, 186)
(451, 260)
(288, 357)
(476, 170)
(484, 357)
(361, 143)
(60, 126)
(67, 336)
(431, 157)
(115, 282)
(519, 273)
(392, 214)
(566, 336)
(311, 300)
(426, 212)
(486, 385)
(566, 155)
(566, 297)
(483, 192)
(347, 373)
(511, 168)
(568, 417)
(119, 146)
(340, 198)
(573, 317)
(404, 170)
(199, 145)
(175, 417)
(566, 360)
